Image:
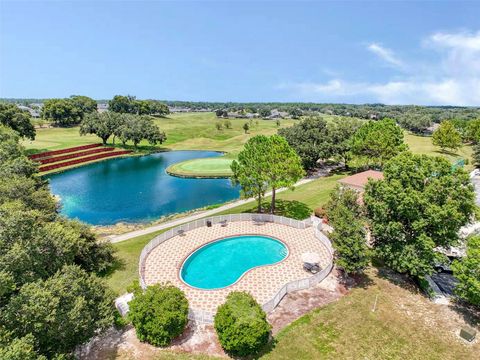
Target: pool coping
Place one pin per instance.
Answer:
(179, 269)
(203, 316)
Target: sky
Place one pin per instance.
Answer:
(425, 53)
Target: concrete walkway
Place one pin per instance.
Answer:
(196, 216)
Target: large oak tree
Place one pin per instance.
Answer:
(420, 204)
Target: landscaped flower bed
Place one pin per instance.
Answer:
(82, 160)
(63, 151)
(75, 155)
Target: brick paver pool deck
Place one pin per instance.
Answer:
(164, 262)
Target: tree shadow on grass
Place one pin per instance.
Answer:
(402, 280)
(470, 314)
(117, 264)
(289, 208)
(361, 280)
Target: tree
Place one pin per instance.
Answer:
(130, 105)
(277, 122)
(122, 104)
(249, 169)
(44, 260)
(241, 325)
(377, 141)
(218, 125)
(296, 113)
(17, 119)
(12, 160)
(340, 132)
(62, 112)
(476, 154)
(420, 204)
(284, 166)
(159, 314)
(246, 127)
(18, 348)
(60, 312)
(447, 137)
(101, 124)
(467, 272)
(415, 122)
(84, 103)
(266, 162)
(138, 128)
(33, 249)
(227, 124)
(264, 113)
(472, 131)
(310, 139)
(349, 235)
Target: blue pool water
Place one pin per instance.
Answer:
(136, 189)
(223, 262)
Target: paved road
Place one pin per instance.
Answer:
(200, 215)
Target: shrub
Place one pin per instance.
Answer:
(321, 213)
(241, 325)
(159, 314)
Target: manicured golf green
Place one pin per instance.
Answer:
(205, 168)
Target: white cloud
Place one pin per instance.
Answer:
(453, 78)
(386, 55)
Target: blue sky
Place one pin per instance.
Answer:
(351, 52)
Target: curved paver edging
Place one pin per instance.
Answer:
(207, 317)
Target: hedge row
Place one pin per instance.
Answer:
(63, 151)
(75, 155)
(82, 160)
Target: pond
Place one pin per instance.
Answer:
(136, 189)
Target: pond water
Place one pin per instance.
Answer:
(136, 189)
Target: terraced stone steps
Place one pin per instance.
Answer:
(59, 165)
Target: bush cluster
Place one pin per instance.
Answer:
(241, 325)
(159, 314)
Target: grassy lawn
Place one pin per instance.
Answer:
(405, 325)
(423, 145)
(185, 131)
(300, 202)
(125, 270)
(58, 138)
(209, 167)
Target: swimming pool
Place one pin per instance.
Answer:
(223, 262)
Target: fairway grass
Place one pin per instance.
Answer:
(202, 168)
(423, 145)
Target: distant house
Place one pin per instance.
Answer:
(175, 109)
(102, 107)
(358, 181)
(236, 115)
(33, 112)
(431, 129)
(275, 114)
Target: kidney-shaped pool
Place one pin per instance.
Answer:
(223, 262)
(136, 189)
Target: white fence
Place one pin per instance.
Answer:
(207, 317)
